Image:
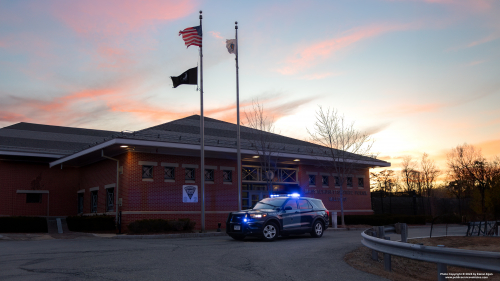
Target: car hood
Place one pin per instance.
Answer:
(250, 211)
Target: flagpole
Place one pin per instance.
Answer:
(202, 133)
(238, 140)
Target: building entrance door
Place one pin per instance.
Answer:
(251, 197)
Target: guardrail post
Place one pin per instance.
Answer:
(374, 253)
(442, 269)
(404, 233)
(387, 258)
(381, 232)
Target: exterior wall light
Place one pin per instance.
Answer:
(123, 146)
(256, 156)
(296, 160)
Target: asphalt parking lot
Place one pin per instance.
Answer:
(201, 258)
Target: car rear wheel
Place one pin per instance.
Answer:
(270, 232)
(237, 237)
(317, 229)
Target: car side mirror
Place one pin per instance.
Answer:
(288, 208)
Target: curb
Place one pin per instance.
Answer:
(166, 236)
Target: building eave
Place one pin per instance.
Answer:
(194, 147)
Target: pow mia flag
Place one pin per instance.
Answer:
(189, 77)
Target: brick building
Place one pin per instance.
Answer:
(61, 171)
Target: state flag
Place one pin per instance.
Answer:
(231, 46)
(189, 77)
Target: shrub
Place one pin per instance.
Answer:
(91, 223)
(23, 224)
(159, 225)
(188, 224)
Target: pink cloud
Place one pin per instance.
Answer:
(470, 4)
(216, 34)
(487, 39)
(312, 54)
(119, 30)
(476, 62)
(317, 76)
(119, 17)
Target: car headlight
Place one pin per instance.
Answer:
(257, 216)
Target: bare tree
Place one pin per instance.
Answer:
(410, 175)
(428, 175)
(343, 145)
(262, 143)
(384, 180)
(468, 165)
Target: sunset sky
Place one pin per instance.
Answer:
(420, 75)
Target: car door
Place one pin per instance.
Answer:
(291, 217)
(306, 213)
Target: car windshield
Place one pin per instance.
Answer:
(269, 203)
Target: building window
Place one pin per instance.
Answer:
(324, 180)
(287, 175)
(93, 202)
(169, 173)
(227, 176)
(33, 198)
(361, 182)
(250, 174)
(337, 181)
(190, 174)
(209, 174)
(312, 179)
(109, 199)
(80, 203)
(349, 181)
(147, 172)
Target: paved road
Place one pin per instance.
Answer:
(208, 258)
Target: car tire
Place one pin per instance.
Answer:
(237, 237)
(270, 232)
(317, 229)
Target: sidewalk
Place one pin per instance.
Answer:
(82, 235)
(161, 236)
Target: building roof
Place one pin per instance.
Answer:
(65, 143)
(56, 141)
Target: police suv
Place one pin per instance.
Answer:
(272, 217)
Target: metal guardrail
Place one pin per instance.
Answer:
(487, 261)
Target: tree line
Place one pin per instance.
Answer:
(469, 177)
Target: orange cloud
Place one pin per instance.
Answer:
(13, 117)
(490, 148)
(317, 52)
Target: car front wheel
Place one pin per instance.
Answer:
(270, 232)
(317, 229)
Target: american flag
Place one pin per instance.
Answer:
(191, 36)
